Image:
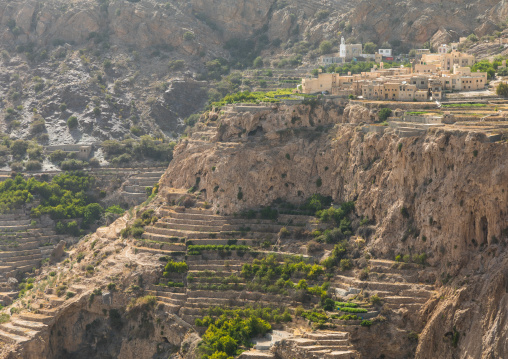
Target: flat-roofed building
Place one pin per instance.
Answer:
(456, 58)
(350, 51)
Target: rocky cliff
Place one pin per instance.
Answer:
(444, 194)
(111, 62)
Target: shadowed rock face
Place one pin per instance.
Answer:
(456, 200)
(148, 23)
(443, 193)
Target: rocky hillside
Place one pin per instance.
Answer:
(436, 202)
(422, 193)
(125, 67)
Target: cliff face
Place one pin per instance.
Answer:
(444, 194)
(148, 23)
(418, 21)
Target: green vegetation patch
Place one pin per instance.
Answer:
(67, 196)
(465, 105)
(254, 97)
(197, 249)
(353, 310)
(229, 332)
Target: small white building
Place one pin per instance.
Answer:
(385, 52)
(349, 51)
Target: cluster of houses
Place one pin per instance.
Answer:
(427, 78)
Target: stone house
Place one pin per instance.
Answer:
(443, 49)
(456, 58)
(349, 51)
(385, 52)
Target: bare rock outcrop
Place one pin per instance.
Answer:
(357, 114)
(443, 194)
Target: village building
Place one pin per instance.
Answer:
(349, 51)
(331, 59)
(420, 82)
(456, 58)
(422, 51)
(385, 52)
(443, 49)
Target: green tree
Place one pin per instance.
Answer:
(258, 62)
(72, 122)
(325, 47)
(189, 36)
(18, 148)
(473, 38)
(384, 113)
(502, 89)
(369, 48)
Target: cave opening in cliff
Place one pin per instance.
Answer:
(484, 228)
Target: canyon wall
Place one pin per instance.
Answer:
(444, 194)
(149, 23)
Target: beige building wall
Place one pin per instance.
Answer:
(423, 69)
(456, 58)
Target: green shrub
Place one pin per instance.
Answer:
(70, 165)
(353, 310)
(175, 65)
(33, 165)
(375, 299)
(383, 114)
(315, 317)
(72, 122)
(366, 323)
(175, 267)
(37, 126)
(189, 36)
(226, 334)
(345, 264)
(116, 209)
(346, 304)
(269, 213)
(57, 156)
(19, 148)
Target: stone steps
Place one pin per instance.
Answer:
(14, 222)
(171, 214)
(160, 237)
(163, 242)
(187, 227)
(213, 267)
(405, 300)
(417, 293)
(135, 189)
(341, 354)
(156, 251)
(169, 307)
(24, 253)
(198, 222)
(36, 317)
(23, 269)
(10, 338)
(28, 324)
(15, 330)
(51, 312)
(256, 354)
(372, 286)
(143, 182)
(21, 260)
